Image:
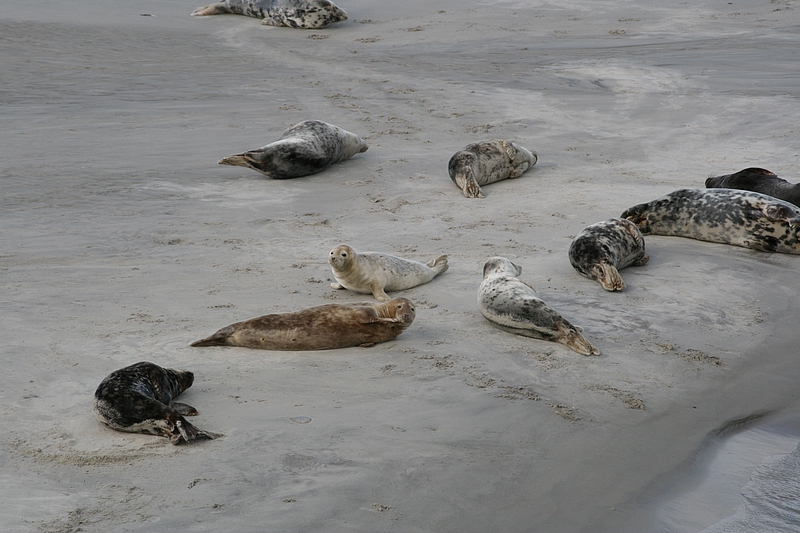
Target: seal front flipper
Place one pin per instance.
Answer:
(183, 409)
(781, 213)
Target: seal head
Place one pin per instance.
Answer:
(512, 305)
(139, 399)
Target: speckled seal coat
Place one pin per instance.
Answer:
(138, 399)
(601, 250)
(512, 305)
(728, 216)
(319, 328)
(305, 14)
(487, 162)
(758, 180)
(304, 149)
(376, 272)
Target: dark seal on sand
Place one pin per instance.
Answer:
(758, 180)
(138, 399)
(601, 250)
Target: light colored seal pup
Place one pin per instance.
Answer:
(487, 162)
(728, 216)
(306, 14)
(512, 305)
(319, 328)
(138, 399)
(374, 272)
(304, 149)
(601, 250)
(758, 180)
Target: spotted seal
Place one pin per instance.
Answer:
(304, 149)
(728, 216)
(512, 305)
(305, 14)
(319, 328)
(487, 162)
(601, 250)
(758, 180)
(375, 272)
(138, 399)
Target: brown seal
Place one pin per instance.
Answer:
(376, 272)
(138, 399)
(758, 180)
(319, 328)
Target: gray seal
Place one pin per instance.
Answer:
(729, 216)
(512, 305)
(601, 250)
(487, 162)
(324, 327)
(305, 14)
(138, 399)
(758, 180)
(304, 149)
(376, 272)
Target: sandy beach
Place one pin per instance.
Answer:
(122, 240)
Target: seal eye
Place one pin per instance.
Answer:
(344, 254)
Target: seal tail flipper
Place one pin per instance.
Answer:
(576, 341)
(610, 278)
(220, 338)
(213, 9)
(186, 432)
(439, 264)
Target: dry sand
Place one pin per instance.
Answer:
(122, 240)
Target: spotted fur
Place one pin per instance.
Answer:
(758, 180)
(601, 250)
(729, 216)
(305, 14)
(487, 162)
(512, 305)
(138, 399)
(304, 149)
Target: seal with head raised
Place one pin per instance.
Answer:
(729, 216)
(138, 399)
(376, 272)
(319, 328)
(758, 180)
(304, 149)
(305, 14)
(601, 250)
(512, 305)
(487, 162)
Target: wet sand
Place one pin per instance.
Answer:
(122, 240)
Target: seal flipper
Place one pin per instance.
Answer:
(573, 339)
(183, 409)
(220, 338)
(186, 432)
(471, 188)
(213, 9)
(439, 264)
(780, 213)
(609, 277)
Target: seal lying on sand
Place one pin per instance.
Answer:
(601, 250)
(487, 162)
(306, 14)
(138, 399)
(303, 149)
(758, 180)
(374, 272)
(728, 216)
(319, 328)
(511, 305)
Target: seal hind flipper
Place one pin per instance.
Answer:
(609, 277)
(213, 9)
(186, 432)
(439, 264)
(219, 338)
(576, 341)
